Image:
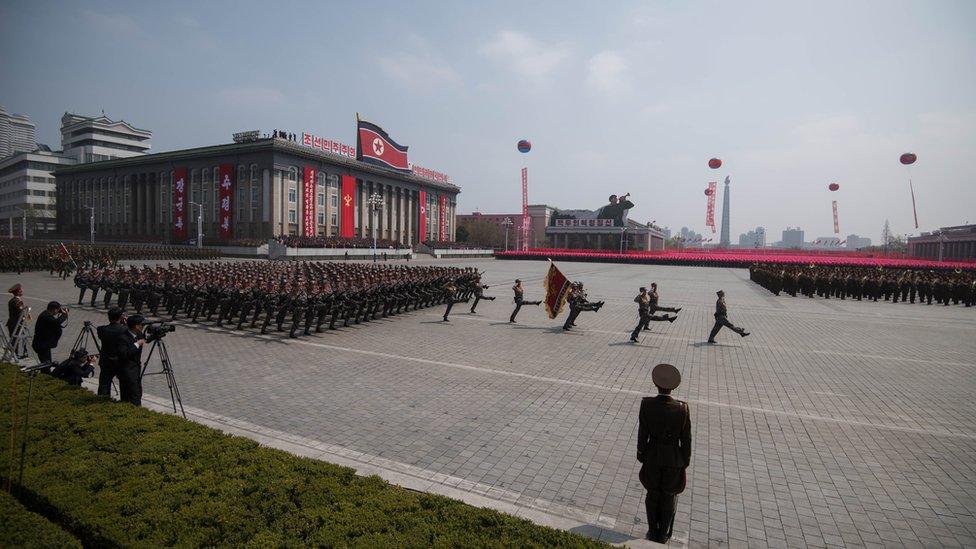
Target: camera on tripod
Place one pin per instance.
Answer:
(158, 330)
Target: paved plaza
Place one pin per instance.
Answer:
(836, 423)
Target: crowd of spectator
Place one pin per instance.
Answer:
(335, 242)
(449, 245)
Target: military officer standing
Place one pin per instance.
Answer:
(663, 450)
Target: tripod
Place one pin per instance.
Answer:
(31, 372)
(81, 342)
(174, 390)
(15, 347)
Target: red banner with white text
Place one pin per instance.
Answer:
(442, 210)
(225, 211)
(347, 207)
(308, 203)
(422, 228)
(836, 220)
(180, 219)
(710, 210)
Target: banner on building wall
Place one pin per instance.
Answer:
(347, 207)
(442, 211)
(224, 208)
(422, 228)
(308, 203)
(180, 219)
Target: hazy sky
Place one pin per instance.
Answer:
(615, 96)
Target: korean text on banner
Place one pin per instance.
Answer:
(225, 210)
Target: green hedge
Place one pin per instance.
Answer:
(112, 475)
(22, 528)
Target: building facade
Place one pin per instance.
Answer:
(539, 216)
(16, 134)
(948, 243)
(28, 194)
(97, 138)
(793, 237)
(273, 186)
(753, 239)
(855, 242)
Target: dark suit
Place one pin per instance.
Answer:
(664, 451)
(108, 359)
(129, 368)
(47, 332)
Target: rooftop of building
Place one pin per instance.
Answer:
(70, 120)
(259, 145)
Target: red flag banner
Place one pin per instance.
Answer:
(422, 228)
(525, 209)
(836, 220)
(914, 211)
(442, 212)
(374, 146)
(557, 290)
(710, 210)
(224, 210)
(347, 207)
(308, 202)
(180, 218)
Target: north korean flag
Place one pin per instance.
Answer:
(374, 146)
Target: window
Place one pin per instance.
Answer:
(254, 173)
(292, 216)
(335, 200)
(292, 196)
(292, 174)
(321, 201)
(321, 216)
(334, 221)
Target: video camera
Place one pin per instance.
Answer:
(158, 330)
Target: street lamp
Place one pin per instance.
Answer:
(199, 223)
(375, 202)
(623, 233)
(91, 223)
(507, 223)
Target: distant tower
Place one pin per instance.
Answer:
(724, 242)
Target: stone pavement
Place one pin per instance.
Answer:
(836, 423)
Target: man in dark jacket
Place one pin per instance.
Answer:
(664, 451)
(722, 319)
(47, 330)
(108, 360)
(128, 347)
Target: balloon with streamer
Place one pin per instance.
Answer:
(714, 163)
(908, 159)
(524, 146)
(833, 187)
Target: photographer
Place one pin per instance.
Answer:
(77, 367)
(128, 348)
(48, 330)
(108, 360)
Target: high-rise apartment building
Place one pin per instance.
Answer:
(16, 134)
(97, 138)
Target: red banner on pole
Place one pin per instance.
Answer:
(347, 207)
(422, 227)
(557, 290)
(525, 209)
(710, 209)
(914, 211)
(836, 220)
(224, 210)
(180, 219)
(308, 203)
(442, 211)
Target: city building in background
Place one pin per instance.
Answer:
(16, 134)
(948, 243)
(755, 238)
(690, 238)
(257, 187)
(97, 138)
(855, 242)
(826, 242)
(27, 193)
(792, 238)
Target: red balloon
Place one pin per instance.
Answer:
(908, 158)
(715, 163)
(833, 186)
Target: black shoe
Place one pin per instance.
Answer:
(678, 310)
(565, 328)
(473, 312)
(712, 341)
(672, 319)
(634, 339)
(744, 334)
(446, 320)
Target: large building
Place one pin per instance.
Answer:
(257, 187)
(792, 237)
(948, 243)
(855, 242)
(753, 239)
(539, 216)
(97, 138)
(27, 192)
(16, 134)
